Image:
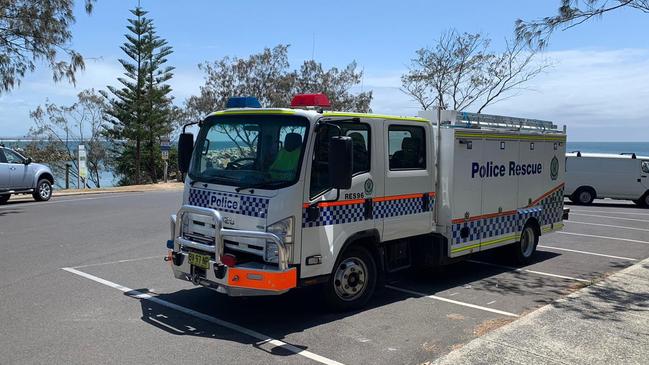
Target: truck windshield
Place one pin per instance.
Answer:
(260, 151)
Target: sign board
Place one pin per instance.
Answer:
(165, 154)
(165, 145)
(83, 167)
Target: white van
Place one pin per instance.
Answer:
(599, 175)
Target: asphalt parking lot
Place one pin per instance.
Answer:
(83, 281)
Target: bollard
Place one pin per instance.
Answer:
(67, 176)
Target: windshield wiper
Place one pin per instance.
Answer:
(261, 184)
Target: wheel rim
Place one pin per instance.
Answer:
(584, 197)
(44, 190)
(350, 279)
(527, 242)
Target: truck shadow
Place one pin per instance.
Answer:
(299, 310)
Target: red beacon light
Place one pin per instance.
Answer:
(307, 101)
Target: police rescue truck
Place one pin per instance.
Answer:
(276, 199)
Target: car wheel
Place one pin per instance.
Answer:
(644, 201)
(524, 249)
(43, 191)
(584, 196)
(4, 198)
(353, 280)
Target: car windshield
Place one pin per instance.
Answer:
(261, 151)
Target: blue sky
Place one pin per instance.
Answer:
(598, 85)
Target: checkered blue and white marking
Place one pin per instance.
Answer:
(250, 205)
(350, 213)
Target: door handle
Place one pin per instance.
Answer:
(12, 168)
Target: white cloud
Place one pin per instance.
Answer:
(599, 95)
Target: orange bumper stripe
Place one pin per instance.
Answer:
(262, 280)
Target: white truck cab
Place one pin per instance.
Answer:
(605, 175)
(281, 198)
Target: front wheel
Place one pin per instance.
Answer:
(43, 191)
(353, 280)
(643, 202)
(526, 246)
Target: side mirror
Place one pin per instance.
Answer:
(27, 161)
(185, 148)
(340, 162)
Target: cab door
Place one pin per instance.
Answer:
(19, 176)
(5, 171)
(644, 173)
(331, 217)
(406, 207)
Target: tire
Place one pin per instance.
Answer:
(4, 198)
(583, 196)
(644, 201)
(524, 249)
(353, 280)
(43, 191)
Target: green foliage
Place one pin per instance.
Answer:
(570, 13)
(461, 71)
(61, 125)
(140, 111)
(268, 76)
(33, 31)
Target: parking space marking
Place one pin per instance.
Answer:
(610, 217)
(542, 273)
(119, 261)
(607, 211)
(604, 237)
(32, 204)
(442, 299)
(587, 253)
(254, 334)
(608, 225)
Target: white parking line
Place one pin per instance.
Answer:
(607, 211)
(119, 261)
(529, 271)
(608, 225)
(604, 237)
(28, 203)
(609, 217)
(442, 299)
(587, 253)
(254, 334)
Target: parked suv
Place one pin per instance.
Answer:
(19, 175)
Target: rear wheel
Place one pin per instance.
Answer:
(644, 201)
(583, 196)
(353, 280)
(4, 198)
(526, 246)
(43, 190)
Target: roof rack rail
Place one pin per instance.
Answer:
(632, 154)
(499, 121)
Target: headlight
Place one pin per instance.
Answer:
(284, 230)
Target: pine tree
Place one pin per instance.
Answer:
(138, 111)
(158, 121)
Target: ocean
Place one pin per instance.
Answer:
(639, 148)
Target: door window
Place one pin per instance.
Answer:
(360, 135)
(2, 156)
(13, 157)
(645, 167)
(406, 147)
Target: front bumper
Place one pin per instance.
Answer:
(246, 279)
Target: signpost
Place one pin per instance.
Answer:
(165, 146)
(83, 168)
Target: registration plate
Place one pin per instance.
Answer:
(202, 261)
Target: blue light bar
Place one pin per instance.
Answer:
(243, 102)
